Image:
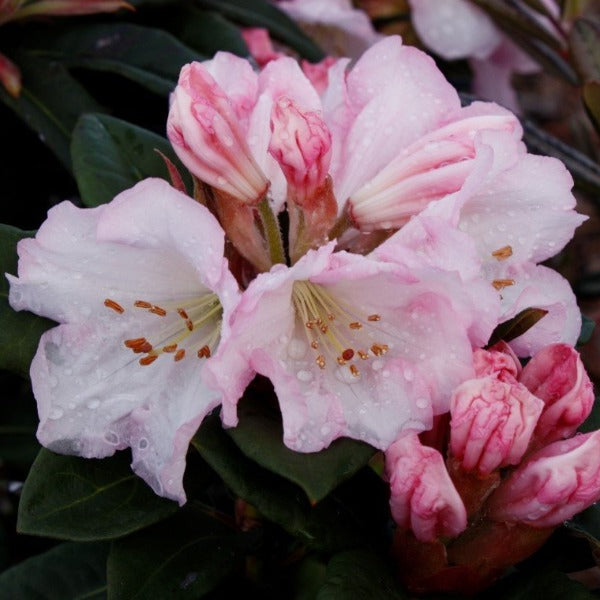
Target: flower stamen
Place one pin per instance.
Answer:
(114, 306)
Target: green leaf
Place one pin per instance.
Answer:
(584, 39)
(208, 32)
(359, 575)
(66, 572)
(549, 585)
(87, 499)
(336, 522)
(183, 557)
(518, 325)
(148, 56)
(110, 155)
(260, 13)
(50, 102)
(260, 437)
(591, 99)
(587, 524)
(587, 330)
(19, 331)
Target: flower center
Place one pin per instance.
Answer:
(333, 330)
(191, 326)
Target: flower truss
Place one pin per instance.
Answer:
(378, 233)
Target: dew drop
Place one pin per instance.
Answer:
(56, 413)
(143, 444)
(93, 403)
(305, 376)
(422, 403)
(112, 438)
(297, 349)
(377, 365)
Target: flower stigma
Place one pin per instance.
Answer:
(332, 329)
(191, 327)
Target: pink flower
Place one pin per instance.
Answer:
(458, 29)
(552, 485)
(354, 347)
(340, 29)
(423, 497)
(492, 423)
(142, 294)
(499, 361)
(557, 376)
(259, 43)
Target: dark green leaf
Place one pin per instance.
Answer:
(587, 329)
(587, 524)
(110, 155)
(260, 13)
(87, 499)
(183, 557)
(150, 57)
(66, 572)
(549, 585)
(591, 99)
(333, 523)
(359, 575)
(19, 331)
(518, 325)
(259, 435)
(308, 578)
(50, 102)
(585, 48)
(208, 32)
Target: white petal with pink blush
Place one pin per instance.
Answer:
(142, 292)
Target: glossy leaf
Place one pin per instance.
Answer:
(208, 32)
(66, 572)
(359, 575)
(259, 435)
(183, 557)
(20, 331)
(260, 13)
(84, 499)
(110, 155)
(585, 48)
(50, 102)
(587, 524)
(148, 56)
(587, 330)
(336, 522)
(591, 99)
(518, 325)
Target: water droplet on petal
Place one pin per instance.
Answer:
(297, 349)
(112, 438)
(143, 444)
(56, 413)
(305, 376)
(93, 403)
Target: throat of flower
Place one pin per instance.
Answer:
(188, 327)
(337, 335)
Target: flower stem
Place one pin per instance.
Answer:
(272, 232)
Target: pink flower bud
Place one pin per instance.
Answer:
(557, 376)
(260, 46)
(499, 360)
(10, 76)
(552, 485)
(208, 138)
(423, 498)
(301, 144)
(492, 423)
(318, 73)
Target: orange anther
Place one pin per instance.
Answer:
(189, 324)
(114, 306)
(135, 342)
(355, 325)
(348, 354)
(374, 317)
(364, 355)
(179, 355)
(170, 348)
(143, 348)
(157, 310)
(182, 313)
(204, 352)
(314, 344)
(354, 371)
(148, 360)
(320, 360)
(142, 304)
(500, 284)
(503, 253)
(379, 349)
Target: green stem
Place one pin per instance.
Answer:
(272, 232)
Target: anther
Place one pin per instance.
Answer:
(331, 317)
(324, 328)
(189, 324)
(374, 317)
(135, 342)
(157, 310)
(170, 348)
(364, 355)
(309, 324)
(179, 355)
(204, 352)
(379, 349)
(341, 361)
(500, 284)
(354, 371)
(181, 312)
(314, 344)
(320, 360)
(148, 360)
(348, 354)
(114, 306)
(355, 325)
(143, 349)
(142, 304)
(502, 253)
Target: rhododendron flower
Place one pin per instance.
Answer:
(142, 294)
(340, 29)
(552, 485)
(457, 29)
(354, 347)
(423, 497)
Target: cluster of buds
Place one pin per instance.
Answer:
(514, 469)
